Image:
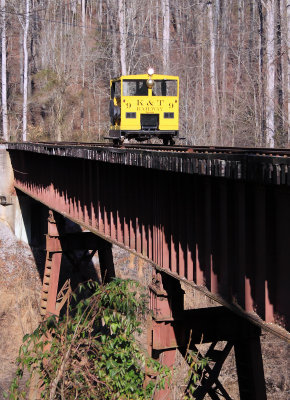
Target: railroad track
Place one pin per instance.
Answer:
(257, 151)
(278, 152)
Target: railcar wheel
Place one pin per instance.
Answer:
(165, 141)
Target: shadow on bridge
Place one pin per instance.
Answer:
(67, 248)
(229, 236)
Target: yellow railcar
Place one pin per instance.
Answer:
(144, 106)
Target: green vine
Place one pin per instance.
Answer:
(196, 370)
(91, 352)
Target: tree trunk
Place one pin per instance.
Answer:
(284, 65)
(114, 37)
(100, 13)
(217, 11)
(150, 28)
(203, 102)
(177, 11)
(252, 70)
(25, 72)
(261, 140)
(270, 90)
(240, 36)
(166, 35)
(224, 52)
(4, 74)
(288, 37)
(212, 73)
(251, 34)
(83, 17)
(157, 23)
(83, 66)
(280, 93)
(123, 41)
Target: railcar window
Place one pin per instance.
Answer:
(135, 88)
(165, 88)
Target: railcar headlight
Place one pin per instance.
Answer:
(150, 71)
(150, 83)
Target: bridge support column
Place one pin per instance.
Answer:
(250, 369)
(175, 328)
(166, 303)
(106, 262)
(79, 248)
(52, 269)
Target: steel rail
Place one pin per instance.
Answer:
(258, 151)
(262, 151)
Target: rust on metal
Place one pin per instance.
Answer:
(51, 270)
(217, 220)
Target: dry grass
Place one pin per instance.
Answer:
(19, 300)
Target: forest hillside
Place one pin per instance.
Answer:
(232, 57)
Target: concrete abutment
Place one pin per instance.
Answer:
(15, 208)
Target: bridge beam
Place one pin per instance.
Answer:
(166, 304)
(227, 234)
(59, 243)
(175, 328)
(51, 270)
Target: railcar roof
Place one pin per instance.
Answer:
(146, 76)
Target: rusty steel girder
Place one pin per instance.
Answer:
(221, 231)
(51, 270)
(58, 244)
(174, 328)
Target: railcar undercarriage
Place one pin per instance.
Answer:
(166, 136)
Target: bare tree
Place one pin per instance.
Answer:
(212, 37)
(114, 38)
(123, 41)
(4, 73)
(83, 62)
(83, 4)
(222, 51)
(270, 88)
(288, 38)
(241, 22)
(280, 93)
(166, 35)
(25, 72)
(261, 74)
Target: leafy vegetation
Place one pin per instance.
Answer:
(196, 370)
(91, 352)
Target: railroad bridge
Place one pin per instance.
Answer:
(216, 219)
